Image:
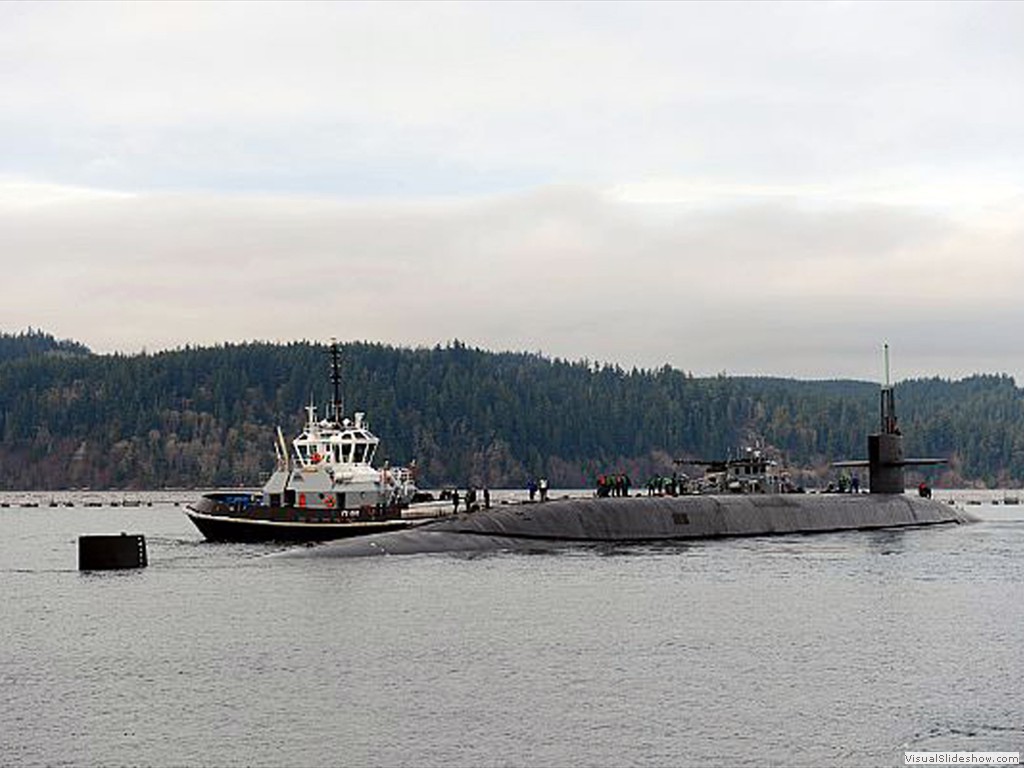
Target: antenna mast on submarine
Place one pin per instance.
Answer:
(888, 400)
(336, 408)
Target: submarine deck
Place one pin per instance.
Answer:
(658, 518)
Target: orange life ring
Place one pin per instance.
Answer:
(316, 458)
(329, 502)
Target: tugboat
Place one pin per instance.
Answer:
(326, 487)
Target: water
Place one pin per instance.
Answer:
(838, 649)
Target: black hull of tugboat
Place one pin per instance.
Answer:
(222, 522)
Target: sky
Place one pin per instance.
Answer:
(749, 188)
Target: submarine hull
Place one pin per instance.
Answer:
(645, 519)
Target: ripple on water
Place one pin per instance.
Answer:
(969, 736)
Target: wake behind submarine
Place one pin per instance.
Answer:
(758, 508)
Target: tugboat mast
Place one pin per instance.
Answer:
(336, 408)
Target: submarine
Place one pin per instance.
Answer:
(751, 505)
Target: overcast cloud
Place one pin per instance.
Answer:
(752, 188)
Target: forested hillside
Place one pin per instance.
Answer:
(205, 416)
(33, 343)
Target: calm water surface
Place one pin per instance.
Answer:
(837, 649)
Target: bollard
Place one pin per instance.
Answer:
(100, 553)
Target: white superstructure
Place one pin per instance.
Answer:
(329, 466)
